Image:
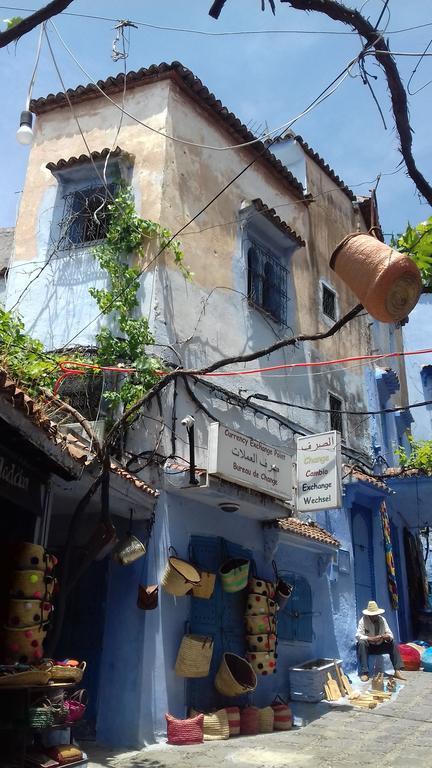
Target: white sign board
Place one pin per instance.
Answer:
(319, 472)
(248, 461)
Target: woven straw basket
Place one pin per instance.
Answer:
(282, 715)
(259, 605)
(205, 588)
(264, 642)
(263, 663)
(24, 644)
(249, 721)
(233, 720)
(62, 674)
(24, 613)
(38, 676)
(266, 720)
(261, 587)
(215, 726)
(179, 577)
(33, 585)
(256, 625)
(234, 574)
(235, 676)
(194, 656)
(30, 557)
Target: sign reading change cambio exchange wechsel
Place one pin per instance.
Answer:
(319, 477)
(248, 461)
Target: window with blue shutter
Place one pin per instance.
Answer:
(221, 617)
(295, 620)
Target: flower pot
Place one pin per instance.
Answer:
(386, 282)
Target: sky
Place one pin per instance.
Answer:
(265, 79)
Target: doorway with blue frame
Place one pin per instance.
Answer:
(364, 572)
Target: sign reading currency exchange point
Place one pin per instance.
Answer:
(319, 472)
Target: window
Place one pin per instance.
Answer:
(328, 302)
(336, 418)
(267, 281)
(84, 393)
(85, 216)
(295, 620)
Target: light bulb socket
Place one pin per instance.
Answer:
(26, 118)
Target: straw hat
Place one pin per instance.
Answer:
(372, 609)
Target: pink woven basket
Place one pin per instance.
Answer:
(189, 731)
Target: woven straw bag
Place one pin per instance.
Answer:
(41, 714)
(235, 676)
(38, 676)
(265, 720)
(24, 644)
(282, 715)
(34, 585)
(234, 574)
(261, 587)
(30, 556)
(233, 720)
(257, 625)
(62, 674)
(24, 613)
(188, 731)
(258, 605)
(194, 656)
(215, 725)
(410, 657)
(263, 642)
(179, 576)
(262, 662)
(249, 721)
(205, 588)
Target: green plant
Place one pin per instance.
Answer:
(24, 357)
(417, 242)
(419, 455)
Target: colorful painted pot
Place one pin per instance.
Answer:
(34, 585)
(261, 587)
(263, 663)
(263, 642)
(25, 613)
(258, 605)
(255, 625)
(25, 644)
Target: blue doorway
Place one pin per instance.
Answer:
(364, 572)
(402, 617)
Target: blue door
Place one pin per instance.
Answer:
(221, 617)
(364, 574)
(402, 617)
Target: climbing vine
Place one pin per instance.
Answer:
(417, 243)
(419, 455)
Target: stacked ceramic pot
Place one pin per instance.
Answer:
(30, 604)
(261, 624)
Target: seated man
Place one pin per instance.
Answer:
(374, 637)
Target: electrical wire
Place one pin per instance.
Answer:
(413, 93)
(266, 399)
(206, 33)
(35, 67)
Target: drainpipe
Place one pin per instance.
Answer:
(189, 423)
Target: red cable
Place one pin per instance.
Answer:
(66, 372)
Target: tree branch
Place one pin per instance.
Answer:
(79, 418)
(30, 22)
(353, 18)
(216, 8)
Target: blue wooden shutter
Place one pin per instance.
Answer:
(295, 620)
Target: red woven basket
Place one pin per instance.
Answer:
(233, 720)
(410, 657)
(189, 731)
(249, 721)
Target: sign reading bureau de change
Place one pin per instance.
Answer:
(248, 461)
(319, 472)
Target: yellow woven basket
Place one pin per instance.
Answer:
(235, 676)
(266, 720)
(194, 656)
(31, 584)
(179, 577)
(24, 644)
(30, 557)
(24, 613)
(215, 726)
(61, 674)
(37, 676)
(205, 588)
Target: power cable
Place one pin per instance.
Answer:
(413, 93)
(267, 399)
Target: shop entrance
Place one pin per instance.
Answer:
(221, 617)
(402, 617)
(364, 573)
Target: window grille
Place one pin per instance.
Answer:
(328, 302)
(85, 216)
(83, 393)
(336, 420)
(267, 281)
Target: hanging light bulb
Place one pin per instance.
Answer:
(25, 131)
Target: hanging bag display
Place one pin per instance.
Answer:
(283, 589)
(234, 574)
(235, 676)
(259, 605)
(204, 590)
(262, 642)
(257, 625)
(282, 715)
(183, 732)
(148, 597)
(130, 548)
(194, 656)
(25, 613)
(262, 662)
(259, 586)
(179, 576)
(24, 644)
(33, 585)
(30, 557)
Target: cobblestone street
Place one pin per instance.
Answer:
(394, 735)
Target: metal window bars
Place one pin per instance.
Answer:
(267, 281)
(336, 420)
(85, 217)
(328, 302)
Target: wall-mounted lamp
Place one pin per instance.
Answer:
(24, 133)
(229, 506)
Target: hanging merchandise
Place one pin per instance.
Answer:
(249, 721)
(235, 676)
(263, 642)
(25, 613)
(76, 705)
(233, 720)
(179, 576)
(24, 644)
(204, 590)
(265, 720)
(234, 574)
(388, 549)
(283, 719)
(194, 656)
(148, 597)
(261, 587)
(256, 625)
(32, 584)
(258, 605)
(131, 548)
(183, 732)
(215, 725)
(263, 662)
(283, 590)
(30, 557)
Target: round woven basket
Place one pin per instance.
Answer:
(265, 720)
(24, 613)
(234, 574)
(235, 676)
(215, 725)
(179, 577)
(194, 656)
(263, 663)
(261, 587)
(31, 584)
(258, 605)
(63, 674)
(257, 625)
(263, 642)
(30, 557)
(24, 644)
(38, 676)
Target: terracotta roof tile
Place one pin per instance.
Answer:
(60, 165)
(308, 530)
(357, 474)
(401, 472)
(272, 216)
(192, 85)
